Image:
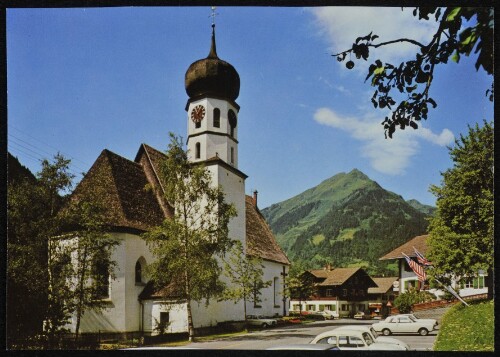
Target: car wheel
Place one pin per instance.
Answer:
(386, 332)
(423, 332)
(264, 325)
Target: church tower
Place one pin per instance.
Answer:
(212, 86)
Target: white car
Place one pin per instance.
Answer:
(327, 314)
(346, 339)
(403, 324)
(374, 335)
(260, 321)
(434, 321)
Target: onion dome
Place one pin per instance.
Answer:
(212, 76)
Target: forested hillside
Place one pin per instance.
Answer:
(347, 220)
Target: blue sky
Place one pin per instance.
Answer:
(83, 80)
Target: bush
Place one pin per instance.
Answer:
(404, 302)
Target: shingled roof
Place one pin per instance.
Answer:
(383, 285)
(337, 276)
(419, 242)
(260, 240)
(119, 184)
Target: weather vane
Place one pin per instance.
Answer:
(213, 15)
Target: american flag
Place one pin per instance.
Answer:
(421, 259)
(417, 269)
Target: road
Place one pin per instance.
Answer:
(296, 334)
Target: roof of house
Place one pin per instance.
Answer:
(120, 186)
(419, 243)
(337, 276)
(260, 239)
(383, 285)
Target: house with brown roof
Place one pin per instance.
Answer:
(342, 290)
(407, 278)
(131, 192)
(381, 297)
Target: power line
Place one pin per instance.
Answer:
(48, 145)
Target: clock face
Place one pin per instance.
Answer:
(198, 113)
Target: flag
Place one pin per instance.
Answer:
(417, 269)
(421, 259)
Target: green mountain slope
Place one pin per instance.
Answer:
(346, 220)
(426, 209)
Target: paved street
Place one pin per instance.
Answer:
(258, 340)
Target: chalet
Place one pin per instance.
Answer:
(381, 297)
(344, 290)
(407, 278)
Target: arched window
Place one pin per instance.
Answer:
(197, 125)
(198, 150)
(101, 279)
(139, 270)
(232, 155)
(232, 121)
(216, 118)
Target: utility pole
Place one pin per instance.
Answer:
(284, 274)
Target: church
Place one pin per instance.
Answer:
(132, 306)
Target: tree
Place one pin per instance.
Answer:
(413, 78)
(245, 274)
(33, 205)
(461, 232)
(300, 284)
(80, 266)
(187, 245)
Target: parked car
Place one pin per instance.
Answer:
(255, 320)
(326, 314)
(362, 316)
(304, 347)
(346, 339)
(412, 316)
(403, 324)
(374, 335)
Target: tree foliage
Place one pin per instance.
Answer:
(461, 232)
(245, 274)
(33, 204)
(300, 285)
(80, 265)
(404, 302)
(462, 31)
(187, 245)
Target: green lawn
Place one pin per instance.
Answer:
(467, 328)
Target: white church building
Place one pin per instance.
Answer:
(133, 306)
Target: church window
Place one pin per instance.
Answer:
(101, 278)
(232, 121)
(232, 155)
(197, 125)
(276, 292)
(216, 118)
(139, 271)
(198, 150)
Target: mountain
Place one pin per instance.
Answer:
(347, 220)
(426, 209)
(16, 171)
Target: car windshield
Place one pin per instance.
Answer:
(368, 338)
(374, 333)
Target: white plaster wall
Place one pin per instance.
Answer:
(177, 316)
(123, 309)
(215, 312)
(270, 305)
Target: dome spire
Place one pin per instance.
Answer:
(213, 48)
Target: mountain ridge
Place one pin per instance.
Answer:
(346, 219)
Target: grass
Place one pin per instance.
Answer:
(317, 239)
(467, 328)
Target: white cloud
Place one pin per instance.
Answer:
(389, 156)
(342, 25)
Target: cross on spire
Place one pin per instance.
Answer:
(213, 15)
